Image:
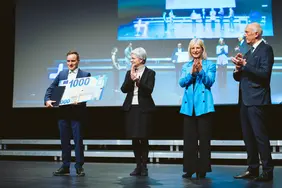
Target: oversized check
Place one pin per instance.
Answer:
(83, 89)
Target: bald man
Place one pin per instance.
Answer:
(253, 72)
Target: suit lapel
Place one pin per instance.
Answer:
(257, 48)
(144, 75)
(78, 73)
(250, 55)
(65, 74)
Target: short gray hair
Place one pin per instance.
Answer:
(140, 53)
(256, 27)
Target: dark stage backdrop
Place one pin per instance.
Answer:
(106, 122)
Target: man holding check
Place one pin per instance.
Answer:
(253, 72)
(71, 118)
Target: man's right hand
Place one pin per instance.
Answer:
(239, 55)
(235, 59)
(48, 104)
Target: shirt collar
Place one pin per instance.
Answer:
(73, 71)
(256, 44)
(140, 68)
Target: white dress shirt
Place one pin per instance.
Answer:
(256, 45)
(72, 74)
(139, 72)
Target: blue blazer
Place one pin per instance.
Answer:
(255, 76)
(63, 75)
(200, 98)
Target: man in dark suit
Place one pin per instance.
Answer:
(71, 118)
(253, 71)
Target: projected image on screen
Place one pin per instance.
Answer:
(182, 19)
(46, 30)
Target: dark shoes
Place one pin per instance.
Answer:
(187, 175)
(144, 171)
(139, 171)
(254, 174)
(249, 174)
(198, 175)
(136, 172)
(201, 175)
(265, 176)
(62, 172)
(66, 172)
(80, 171)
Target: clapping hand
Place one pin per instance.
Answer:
(238, 60)
(197, 66)
(133, 73)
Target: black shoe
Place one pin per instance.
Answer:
(265, 176)
(80, 171)
(188, 175)
(249, 174)
(62, 172)
(144, 171)
(201, 175)
(136, 172)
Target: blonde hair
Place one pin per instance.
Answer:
(199, 42)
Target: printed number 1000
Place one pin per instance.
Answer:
(81, 82)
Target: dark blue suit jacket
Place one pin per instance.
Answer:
(63, 75)
(255, 76)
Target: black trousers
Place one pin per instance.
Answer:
(253, 122)
(196, 156)
(141, 151)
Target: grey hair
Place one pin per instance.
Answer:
(140, 53)
(256, 27)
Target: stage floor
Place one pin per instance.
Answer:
(28, 174)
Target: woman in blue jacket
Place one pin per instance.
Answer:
(197, 78)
